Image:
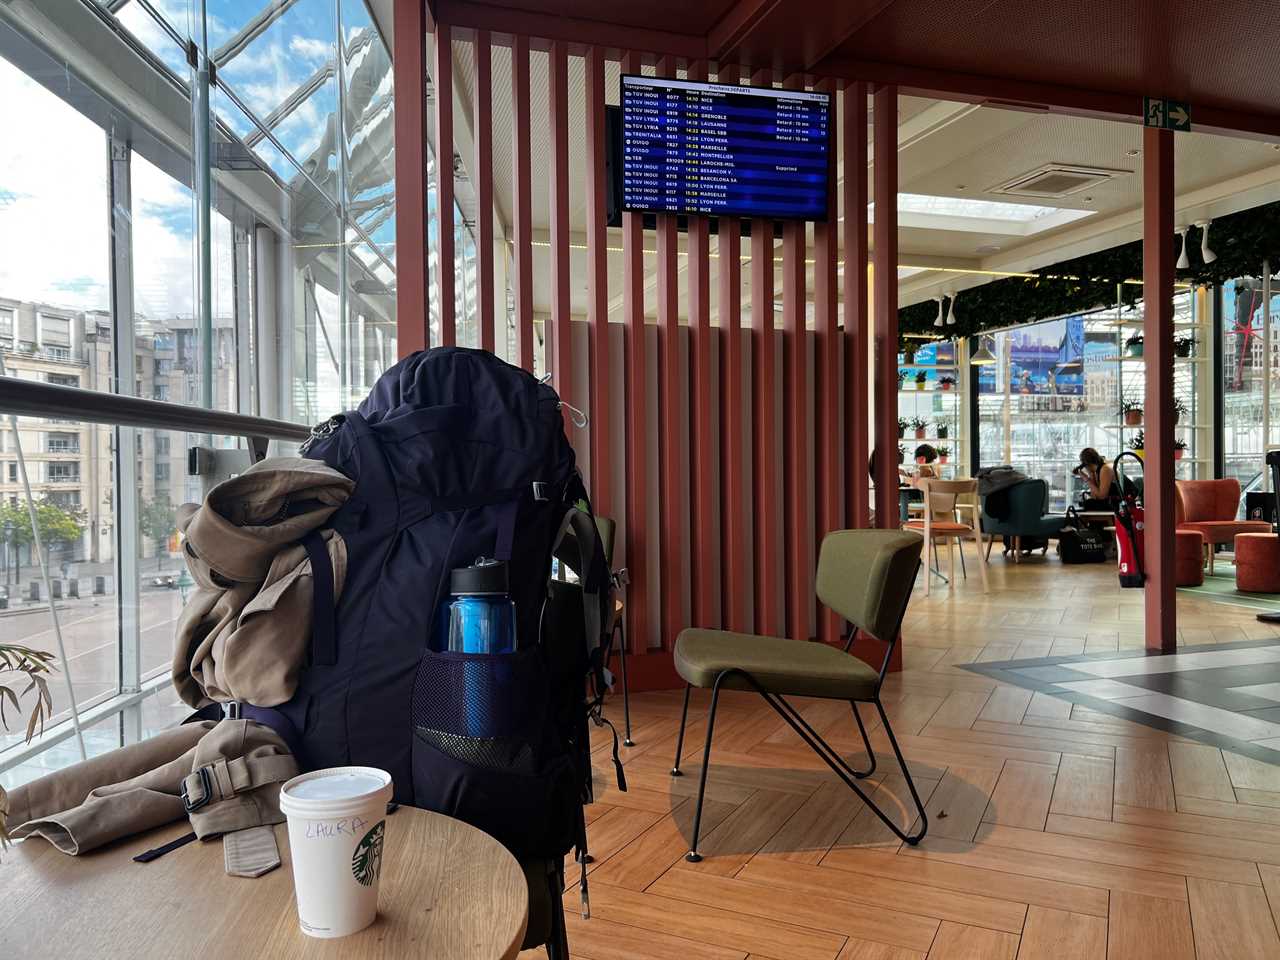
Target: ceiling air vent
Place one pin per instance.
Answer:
(1056, 180)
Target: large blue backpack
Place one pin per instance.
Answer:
(457, 455)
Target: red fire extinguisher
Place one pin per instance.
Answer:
(1130, 522)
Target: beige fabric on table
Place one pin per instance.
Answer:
(244, 632)
(245, 763)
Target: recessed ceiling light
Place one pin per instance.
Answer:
(1132, 153)
(960, 186)
(1088, 199)
(989, 248)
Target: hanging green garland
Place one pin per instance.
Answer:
(1241, 241)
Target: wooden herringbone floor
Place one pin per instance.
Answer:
(1055, 832)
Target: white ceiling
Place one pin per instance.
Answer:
(946, 149)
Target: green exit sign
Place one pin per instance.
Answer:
(1166, 114)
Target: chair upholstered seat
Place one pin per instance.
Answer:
(941, 526)
(780, 666)
(1225, 531)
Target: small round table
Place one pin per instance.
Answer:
(447, 890)
(1258, 562)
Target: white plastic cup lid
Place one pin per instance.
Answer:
(335, 791)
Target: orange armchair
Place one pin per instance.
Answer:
(1209, 506)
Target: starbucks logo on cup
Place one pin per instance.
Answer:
(367, 859)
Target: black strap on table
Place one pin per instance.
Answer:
(157, 852)
(324, 629)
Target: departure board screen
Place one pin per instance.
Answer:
(721, 149)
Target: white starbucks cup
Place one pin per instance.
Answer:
(337, 819)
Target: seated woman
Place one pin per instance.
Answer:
(1099, 478)
(925, 455)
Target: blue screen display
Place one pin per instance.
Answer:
(721, 149)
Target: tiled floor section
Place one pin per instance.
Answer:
(1198, 693)
(1056, 830)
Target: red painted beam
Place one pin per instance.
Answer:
(412, 272)
(636, 421)
(598, 289)
(885, 297)
(827, 436)
(1157, 468)
(521, 217)
(796, 477)
(764, 455)
(442, 82)
(705, 611)
(733, 518)
(670, 383)
(483, 134)
(856, 334)
(579, 31)
(559, 328)
(1018, 94)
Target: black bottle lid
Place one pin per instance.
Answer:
(483, 578)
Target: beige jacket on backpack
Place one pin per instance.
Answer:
(245, 631)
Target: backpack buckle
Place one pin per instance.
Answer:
(541, 490)
(206, 790)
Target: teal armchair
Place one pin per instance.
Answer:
(1019, 511)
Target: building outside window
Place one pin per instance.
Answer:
(63, 472)
(62, 443)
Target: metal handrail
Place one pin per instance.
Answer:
(30, 398)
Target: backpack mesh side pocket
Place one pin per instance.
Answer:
(483, 753)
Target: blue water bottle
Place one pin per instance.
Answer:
(480, 617)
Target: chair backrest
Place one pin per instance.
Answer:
(866, 577)
(1196, 501)
(943, 496)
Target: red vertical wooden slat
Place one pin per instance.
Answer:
(705, 611)
(733, 517)
(412, 272)
(885, 296)
(442, 83)
(559, 327)
(796, 480)
(671, 452)
(598, 289)
(827, 437)
(637, 420)
(521, 227)
(1158, 472)
(764, 460)
(857, 359)
(483, 121)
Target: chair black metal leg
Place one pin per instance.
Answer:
(866, 742)
(626, 687)
(684, 718)
(911, 784)
(693, 856)
(558, 942)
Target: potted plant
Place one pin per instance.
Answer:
(919, 426)
(1179, 449)
(1138, 444)
(902, 454)
(34, 664)
(1182, 346)
(1131, 410)
(946, 382)
(902, 428)
(922, 378)
(943, 429)
(902, 378)
(943, 454)
(1180, 409)
(1133, 346)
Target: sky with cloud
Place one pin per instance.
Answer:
(54, 217)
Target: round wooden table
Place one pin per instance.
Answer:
(447, 890)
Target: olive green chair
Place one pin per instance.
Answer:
(865, 576)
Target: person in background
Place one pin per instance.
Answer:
(925, 455)
(1099, 478)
